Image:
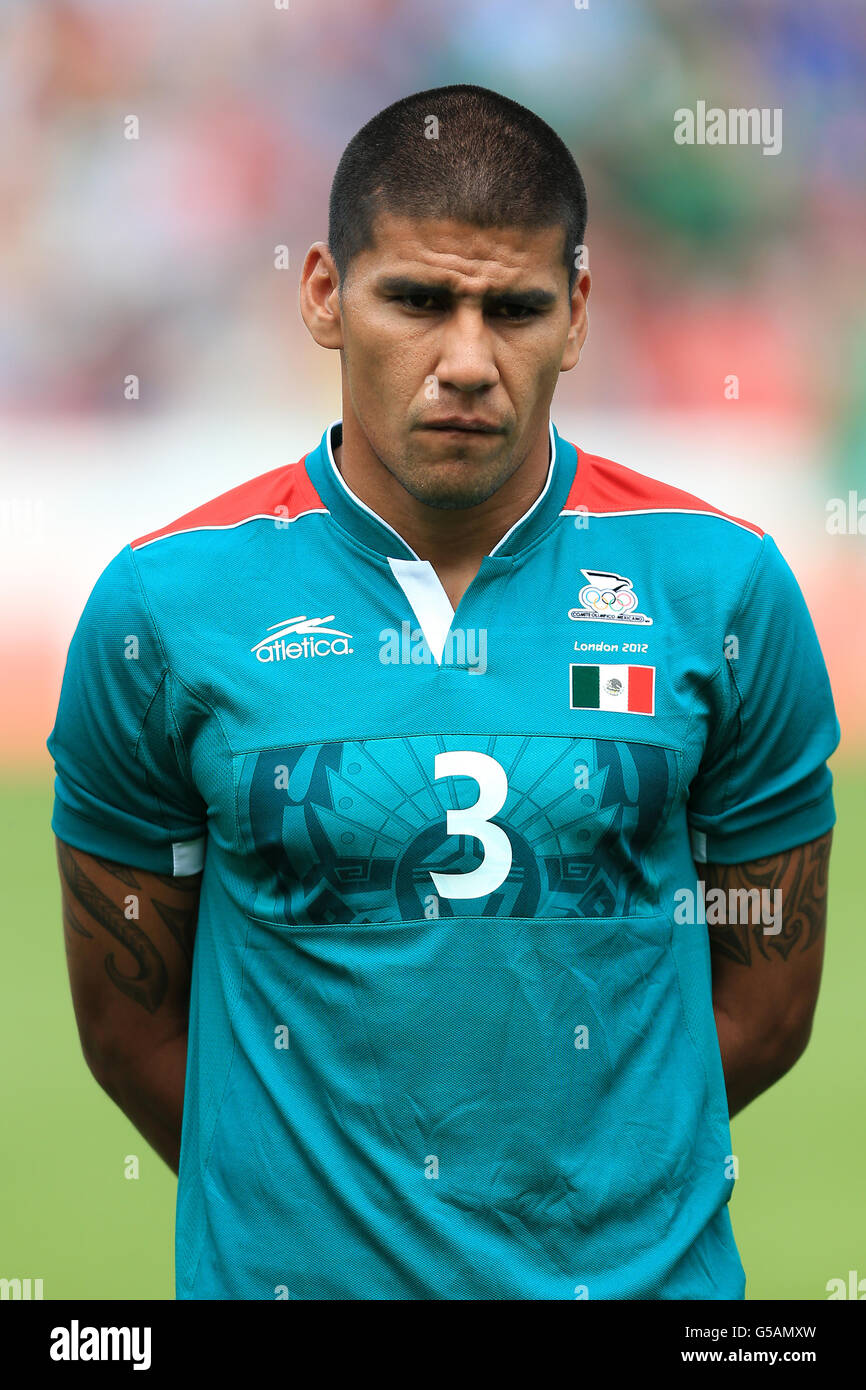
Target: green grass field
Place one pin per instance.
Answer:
(70, 1217)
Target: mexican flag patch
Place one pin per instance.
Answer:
(630, 688)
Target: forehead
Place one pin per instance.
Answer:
(463, 254)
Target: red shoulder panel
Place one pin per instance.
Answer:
(283, 492)
(600, 485)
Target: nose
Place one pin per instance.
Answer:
(467, 360)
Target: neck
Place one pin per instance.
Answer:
(452, 539)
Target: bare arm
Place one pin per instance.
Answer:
(765, 982)
(129, 941)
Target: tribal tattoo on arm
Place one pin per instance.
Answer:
(122, 918)
(800, 876)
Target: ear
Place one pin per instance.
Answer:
(318, 297)
(579, 322)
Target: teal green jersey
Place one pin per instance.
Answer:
(451, 1030)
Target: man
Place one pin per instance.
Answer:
(382, 777)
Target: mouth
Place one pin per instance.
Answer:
(461, 430)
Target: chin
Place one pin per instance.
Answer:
(452, 499)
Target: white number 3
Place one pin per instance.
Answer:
(475, 820)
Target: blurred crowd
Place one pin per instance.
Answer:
(154, 256)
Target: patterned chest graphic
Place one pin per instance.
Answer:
(383, 830)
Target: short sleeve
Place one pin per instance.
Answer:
(763, 785)
(123, 786)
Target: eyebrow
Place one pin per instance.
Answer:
(403, 285)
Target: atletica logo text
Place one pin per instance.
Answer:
(316, 640)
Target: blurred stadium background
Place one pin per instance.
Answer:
(155, 257)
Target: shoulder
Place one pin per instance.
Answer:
(602, 487)
(284, 494)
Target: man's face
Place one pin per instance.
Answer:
(443, 319)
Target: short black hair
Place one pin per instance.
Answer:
(494, 163)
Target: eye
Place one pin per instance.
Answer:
(520, 311)
(427, 301)
(512, 311)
